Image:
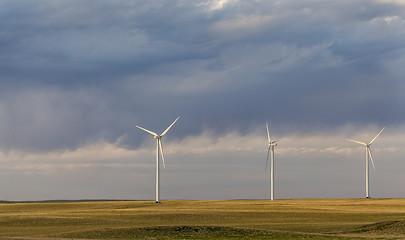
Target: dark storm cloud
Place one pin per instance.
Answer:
(91, 41)
(72, 72)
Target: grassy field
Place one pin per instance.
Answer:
(233, 219)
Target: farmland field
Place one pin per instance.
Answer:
(187, 219)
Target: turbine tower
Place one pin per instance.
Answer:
(159, 146)
(368, 153)
(271, 147)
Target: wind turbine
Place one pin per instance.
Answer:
(368, 153)
(271, 147)
(159, 146)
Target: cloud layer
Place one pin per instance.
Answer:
(209, 167)
(75, 74)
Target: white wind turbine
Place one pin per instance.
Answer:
(368, 153)
(159, 145)
(271, 147)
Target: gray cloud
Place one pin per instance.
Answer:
(306, 65)
(74, 73)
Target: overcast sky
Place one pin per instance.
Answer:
(76, 77)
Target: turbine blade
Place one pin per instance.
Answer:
(362, 143)
(267, 159)
(161, 151)
(268, 133)
(146, 130)
(371, 157)
(167, 129)
(376, 136)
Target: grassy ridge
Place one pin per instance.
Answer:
(241, 219)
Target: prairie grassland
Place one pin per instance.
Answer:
(186, 219)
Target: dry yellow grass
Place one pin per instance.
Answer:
(280, 219)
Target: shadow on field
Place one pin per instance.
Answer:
(389, 227)
(189, 232)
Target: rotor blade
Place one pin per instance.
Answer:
(376, 136)
(161, 150)
(371, 157)
(268, 133)
(146, 130)
(267, 159)
(362, 143)
(167, 129)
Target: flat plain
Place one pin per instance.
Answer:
(189, 219)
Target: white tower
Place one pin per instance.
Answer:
(368, 156)
(159, 146)
(271, 147)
